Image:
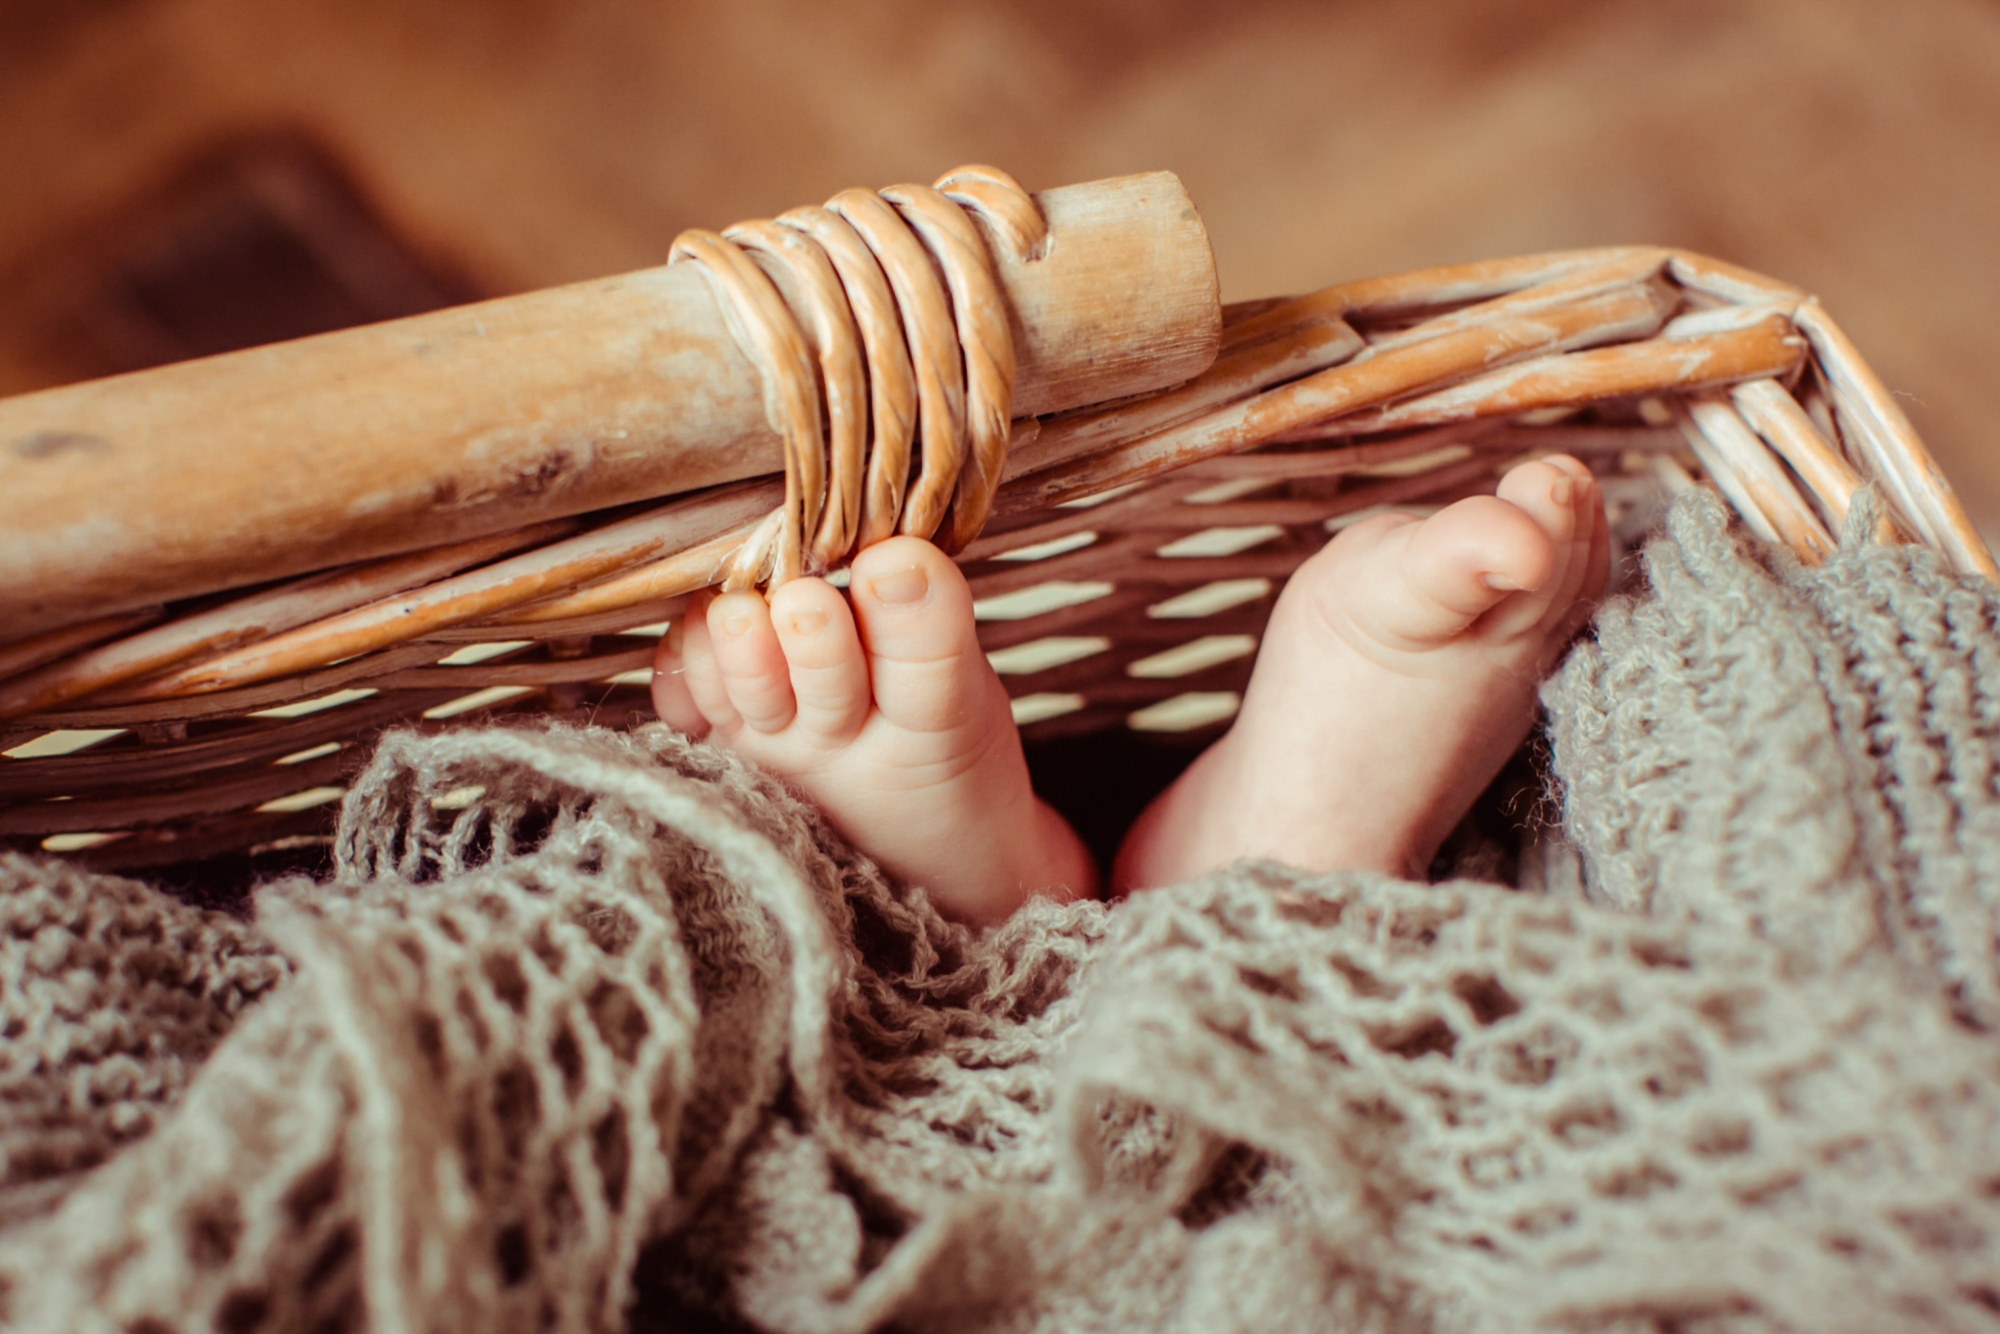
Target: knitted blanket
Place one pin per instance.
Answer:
(590, 1030)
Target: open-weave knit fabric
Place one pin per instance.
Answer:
(632, 1037)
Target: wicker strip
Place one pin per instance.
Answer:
(890, 374)
(835, 342)
(485, 592)
(988, 345)
(1753, 478)
(25, 655)
(223, 628)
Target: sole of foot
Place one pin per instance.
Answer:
(1398, 673)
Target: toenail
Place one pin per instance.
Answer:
(908, 585)
(1563, 490)
(1500, 583)
(808, 622)
(735, 621)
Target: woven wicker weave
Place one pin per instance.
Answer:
(1123, 574)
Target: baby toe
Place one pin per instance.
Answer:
(673, 698)
(829, 675)
(1569, 463)
(699, 670)
(1548, 491)
(1472, 555)
(751, 661)
(915, 615)
(1588, 566)
(1414, 584)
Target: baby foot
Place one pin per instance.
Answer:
(886, 715)
(1397, 674)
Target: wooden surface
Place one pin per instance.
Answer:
(236, 469)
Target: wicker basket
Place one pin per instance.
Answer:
(1124, 556)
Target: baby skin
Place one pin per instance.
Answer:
(1397, 674)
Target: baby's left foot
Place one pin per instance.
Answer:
(887, 715)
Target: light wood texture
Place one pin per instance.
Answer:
(24, 655)
(232, 470)
(1409, 364)
(254, 619)
(486, 592)
(1882, 435)
(1751, 476)
(1788, 428)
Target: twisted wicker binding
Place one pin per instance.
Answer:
(1124, 571)
(878, 318)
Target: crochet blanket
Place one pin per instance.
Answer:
(591, 1030)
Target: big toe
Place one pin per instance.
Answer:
(915, 614)
(1421, 583)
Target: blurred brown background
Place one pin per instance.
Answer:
(183, 176)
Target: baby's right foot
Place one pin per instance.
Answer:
(1397, 674)
(882, 709)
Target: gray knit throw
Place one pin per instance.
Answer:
(631, 1037)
